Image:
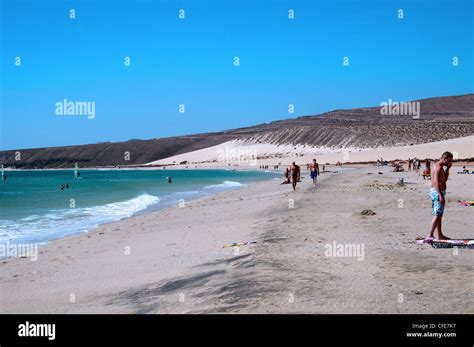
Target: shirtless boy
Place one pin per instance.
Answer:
(439, 176)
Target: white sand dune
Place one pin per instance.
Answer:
(243, 153)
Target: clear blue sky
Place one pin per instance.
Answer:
(190, 61)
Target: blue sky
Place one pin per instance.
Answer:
(190, 62)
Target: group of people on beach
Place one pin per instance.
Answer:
(266, 167)
(293, 173)
(414, 165)
(415, 162)
(439, 175)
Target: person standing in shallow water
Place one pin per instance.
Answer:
(439, 177)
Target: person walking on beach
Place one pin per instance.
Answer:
(294, 172)
(439, 176)
(314, 172)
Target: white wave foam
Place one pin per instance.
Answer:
(226, 184)
(58, 223)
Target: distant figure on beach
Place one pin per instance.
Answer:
(409, 164)
(439, 177)
(416, 164)
(314, 172)
(398, 167)
(287, 176)
(324, 168)
(427, 170)
(295, 174)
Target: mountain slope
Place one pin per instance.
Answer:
(441, 118)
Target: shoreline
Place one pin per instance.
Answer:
(176, 262)
(138, 214)
(147, 210)
(206, 166)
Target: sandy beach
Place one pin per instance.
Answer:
(173, 260)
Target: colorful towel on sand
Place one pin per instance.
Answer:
(238, 244)
(462, 243)
(466, 203)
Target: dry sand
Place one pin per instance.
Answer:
(177, 263)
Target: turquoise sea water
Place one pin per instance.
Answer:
(35, 209)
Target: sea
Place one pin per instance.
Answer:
(40, 206)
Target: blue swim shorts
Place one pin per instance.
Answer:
(437, 208)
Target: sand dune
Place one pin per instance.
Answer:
(271, 154)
